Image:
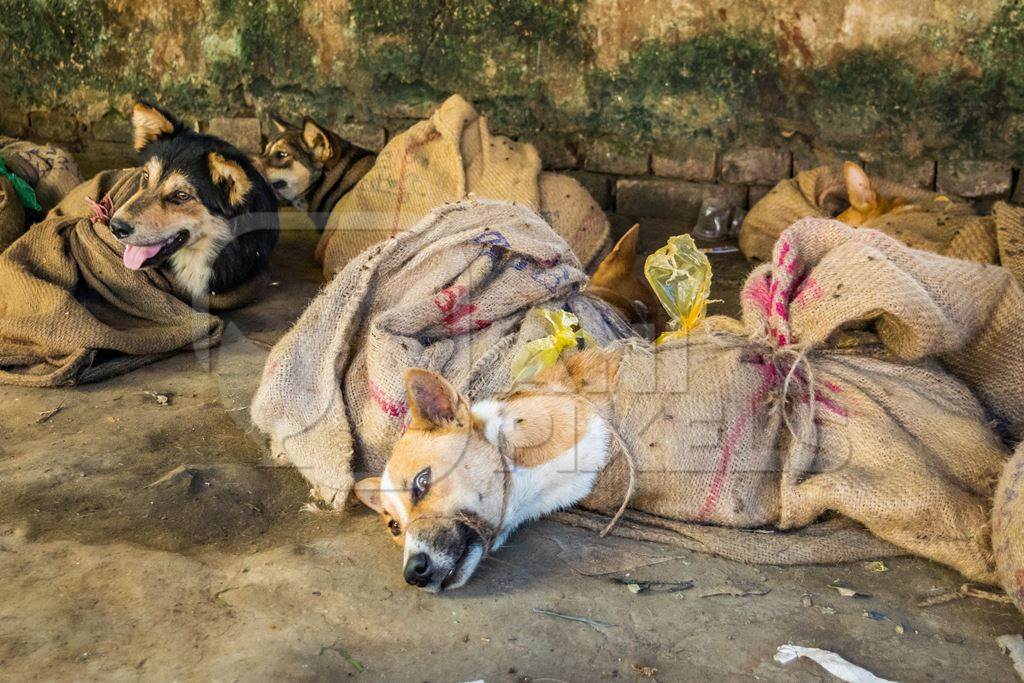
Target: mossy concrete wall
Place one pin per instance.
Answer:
(882, 78)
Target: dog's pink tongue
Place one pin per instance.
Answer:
(134, 256)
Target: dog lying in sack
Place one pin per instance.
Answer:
(455, 293)
(34, 179)
(918, 218)
(311, 167)
(451, 156)
(769, 421)
(122, 271)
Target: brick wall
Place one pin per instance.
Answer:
(670, 181)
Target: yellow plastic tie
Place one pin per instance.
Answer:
(542, 353)
(680, 275)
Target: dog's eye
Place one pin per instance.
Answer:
(281, 156)
(180, 197)
(420, 485)
(395, 528)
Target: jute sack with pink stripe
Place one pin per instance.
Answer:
(863, 380)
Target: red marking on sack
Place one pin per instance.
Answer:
(809, 290)
(781, 309)
(400, 185)
(832, 386)
(828, 404)
(718, 481)
(396, 409)
(771, 377)
(759, 294)
(101, 210)
(271, 369)
(448, 301)
(783, 252)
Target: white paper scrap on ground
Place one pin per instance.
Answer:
(1013, 645)
(830, 662)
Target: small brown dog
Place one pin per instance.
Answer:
(865, 202)
(311, 167)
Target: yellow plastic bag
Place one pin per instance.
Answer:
(542, 353)
(680, 275)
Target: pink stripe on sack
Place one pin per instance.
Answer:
(395, 409)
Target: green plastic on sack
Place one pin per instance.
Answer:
(26, 195)
(680, 275)
(542, 353)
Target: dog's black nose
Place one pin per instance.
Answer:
(120, 228)
(417, 570)
(279, 184)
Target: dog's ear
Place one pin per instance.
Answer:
(616, 282)
(368, 492)
(277, 123)
(230, 176)
(858, 187)
(316, 140)
(433, 402)
(619, 261)
(150, 123)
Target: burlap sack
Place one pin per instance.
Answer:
(51, 171)
(12, 214)
(1008, 528)
(774, 421)
(446, 158)
(70, 312)
(929, 221)
(450, 294)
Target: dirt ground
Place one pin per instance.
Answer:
(155, 542)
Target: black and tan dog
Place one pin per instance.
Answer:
(311, 167)
(202, 210)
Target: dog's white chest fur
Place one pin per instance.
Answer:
(557, 483)
(193, 265)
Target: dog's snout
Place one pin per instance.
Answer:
(120, 228)
(417, 570)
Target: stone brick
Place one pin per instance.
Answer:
(14, 123)
(919, 173)
(365, 135)
(666, 198)
(599, 186)
(99, 156)
(690, 161)
(242, 132)
(113, 127)
(756, 192)
(605, 156)
(756, 165)
(396, 126)
(974, 178)
(556, 153)
(806, 158)
(53, 126)
(411, 110)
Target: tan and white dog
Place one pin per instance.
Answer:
(464, 476)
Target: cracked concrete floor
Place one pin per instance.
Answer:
(154, 542)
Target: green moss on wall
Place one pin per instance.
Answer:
(484, 49)
(529, 65)
(712, 84)
(47, 46)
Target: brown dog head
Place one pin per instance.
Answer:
(295, 156)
